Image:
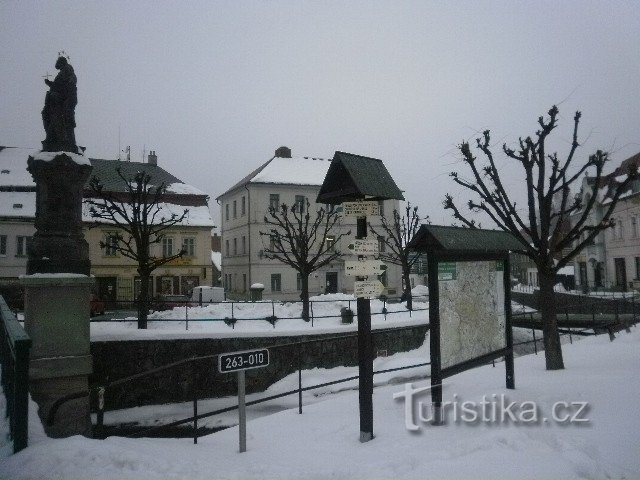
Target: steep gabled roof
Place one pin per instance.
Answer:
(353, 177)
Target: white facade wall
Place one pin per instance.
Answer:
(623, 244)
(13, 264)
(242, 267)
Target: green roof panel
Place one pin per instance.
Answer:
(463, 240)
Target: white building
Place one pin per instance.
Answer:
(283, 180)
(613, 259)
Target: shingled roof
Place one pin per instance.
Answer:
(463, 240)
(105, 171)
(352, 177)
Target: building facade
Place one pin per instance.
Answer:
(284, 180)
(116, 276)
(613, 259)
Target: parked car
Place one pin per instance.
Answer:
(97, 306)
(168, 302)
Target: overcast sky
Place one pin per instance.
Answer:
(215, 87)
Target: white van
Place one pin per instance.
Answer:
(207, 294)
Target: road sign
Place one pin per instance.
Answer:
(245, 360)
(362, 268)
(447, 271)
(362, 246)
(367, 289)
(360, 209)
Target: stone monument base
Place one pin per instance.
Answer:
(57, 316)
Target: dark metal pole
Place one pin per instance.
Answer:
(194, 383)
(365, 354)
(434, 339)
(508, 359)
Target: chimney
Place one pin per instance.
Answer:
(283, 152)
(152, 159)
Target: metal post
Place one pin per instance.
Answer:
(186, 314)
(194, 384)
(535, 342)
(100, 416)
(242, 412)
(299, 390)
(365, 354)
(311, 303)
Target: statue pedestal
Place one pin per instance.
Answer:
(57, 320)
(58, 244)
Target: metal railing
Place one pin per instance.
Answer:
(14, 356)
(191, 365)
(180, 313)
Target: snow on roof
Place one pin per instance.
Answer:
(293, 171)
(184, 189)
(568, 270)
(18, 204)
(13, 167)
(197, 216)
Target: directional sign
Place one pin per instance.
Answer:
(362, 246)
(367, 289)
(360, 209)
(362, 268)
(232, 362)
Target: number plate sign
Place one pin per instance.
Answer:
(234, 361)
(360, 209)
(362, 268)
(368, 289)
(362, 246)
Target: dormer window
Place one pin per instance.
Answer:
(17, 205)
(6, 172)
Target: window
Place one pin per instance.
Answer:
(383, 278)
(621, 229)
(274, 201)
(226, 212)
(244, 245)
(637, 260)
(3, 245)
(226, 248)
(276, 282)
(272, 243)
(244, 282)
(381, 206)
(110, 245)
(299, 282)
(189, 246)
(22, 246)
(167, 246)
(331, 243)
(382, 247)
(243, 208)
(235, 246)
(300, 203)
(634, 227)
(235, 209)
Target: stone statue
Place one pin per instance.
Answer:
(58, 114)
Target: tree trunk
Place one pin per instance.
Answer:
(551, 337)
(406, 272)
(143, 300)
(304, 296)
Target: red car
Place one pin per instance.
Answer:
(96, 305)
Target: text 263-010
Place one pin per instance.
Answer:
(231, 362)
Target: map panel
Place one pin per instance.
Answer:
(472, 318)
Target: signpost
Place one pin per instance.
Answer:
(362, 246)
(239, 362)
(362, 268)
(367, 288)
(360, 209)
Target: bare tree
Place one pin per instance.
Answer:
(141, 220)
(554, 226)
(300, 242)
(395, 236)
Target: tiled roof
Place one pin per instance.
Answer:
(105, 171)
(467, 240)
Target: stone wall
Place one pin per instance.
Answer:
(116, 360)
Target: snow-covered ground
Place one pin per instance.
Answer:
(323, 442)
